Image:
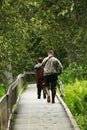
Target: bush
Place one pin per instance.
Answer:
(72, 72)
(76, 100)
(2, 90)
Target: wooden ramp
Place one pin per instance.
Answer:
(37, 114)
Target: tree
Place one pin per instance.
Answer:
(30, 28)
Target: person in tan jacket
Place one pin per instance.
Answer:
(52, 68)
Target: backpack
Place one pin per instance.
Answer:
(39, 73)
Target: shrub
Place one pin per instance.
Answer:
(76, 100)
(2, 90)
(72, 72)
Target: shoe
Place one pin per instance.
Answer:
(53, 101)
(48, 98)
(44, 95)
(38, 97)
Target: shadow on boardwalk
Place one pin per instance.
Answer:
(37, 114)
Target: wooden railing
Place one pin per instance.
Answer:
(10, 98)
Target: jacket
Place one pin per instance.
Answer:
(52, 66)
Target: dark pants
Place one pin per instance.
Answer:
(51, 82)
(40, 87)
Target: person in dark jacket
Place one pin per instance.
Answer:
(39, 78)
(52, 68)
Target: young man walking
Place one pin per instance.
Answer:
(52, 68)
(39, 78)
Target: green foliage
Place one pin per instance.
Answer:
(29, 28)
(72, 72)
(2, 90)
(76, 99)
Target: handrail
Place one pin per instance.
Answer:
(10, 98)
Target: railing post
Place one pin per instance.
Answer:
(10, 100)
(4, 113)
(0, 116)
(20, 83)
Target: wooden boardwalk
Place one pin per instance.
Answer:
(37, 114)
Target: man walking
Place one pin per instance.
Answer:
(52, 68)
